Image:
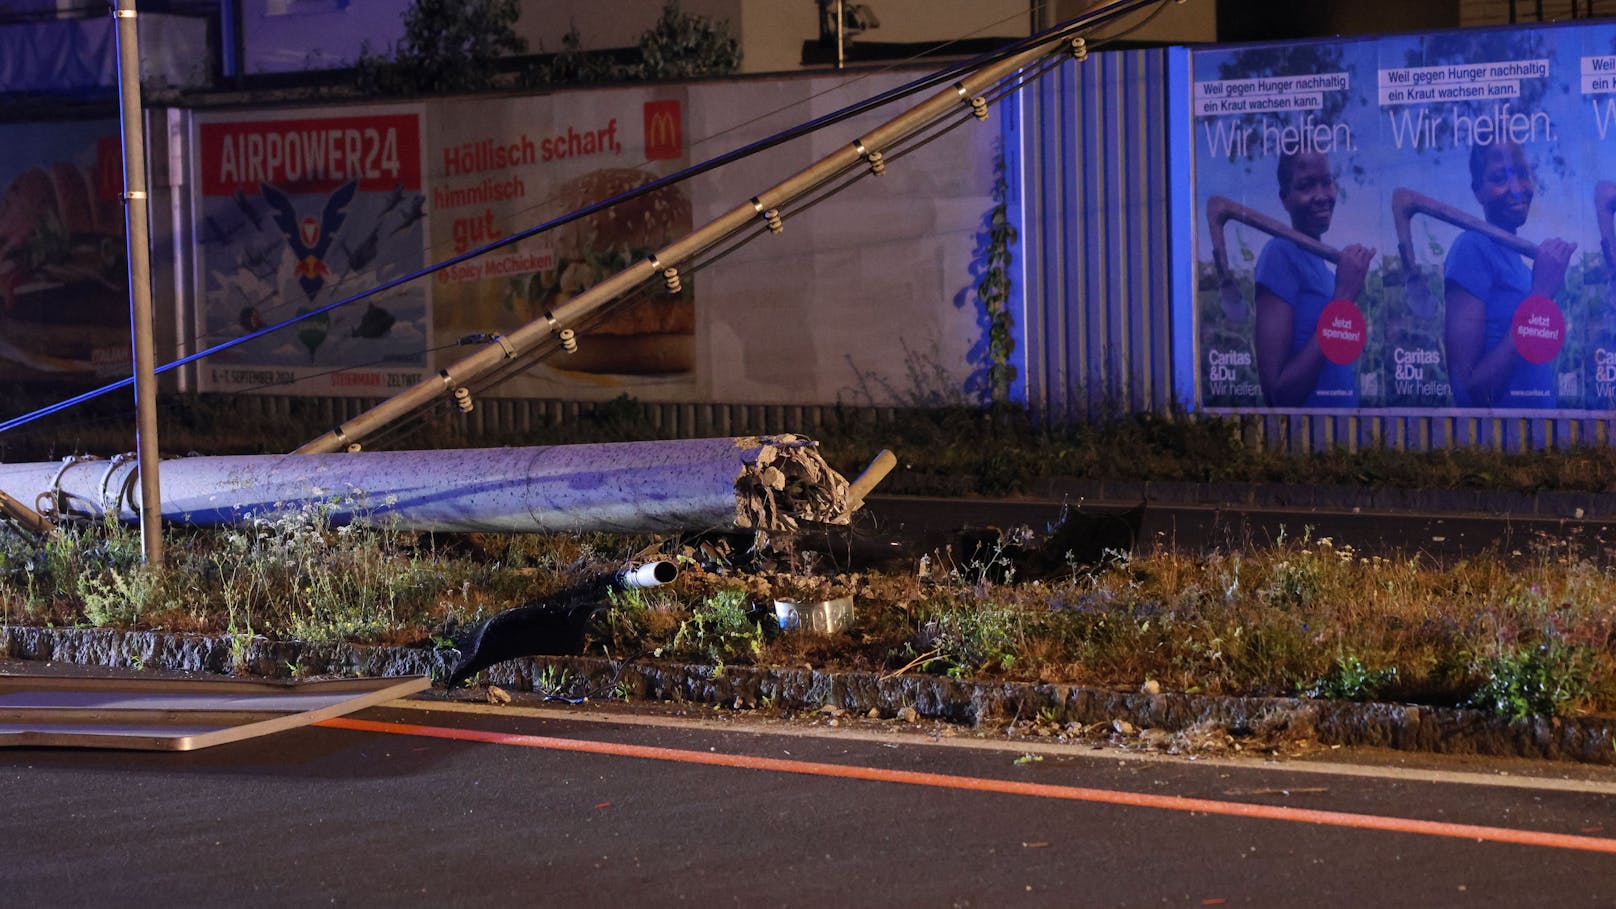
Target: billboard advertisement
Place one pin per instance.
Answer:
(1410, 224)
(499, 166)
(64, 298)
(297, 210)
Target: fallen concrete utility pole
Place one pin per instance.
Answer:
(768, 483)
(558, 327)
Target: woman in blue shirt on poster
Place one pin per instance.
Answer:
(1293, 288)
(1486, 283)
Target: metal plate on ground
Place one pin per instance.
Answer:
(175, 714)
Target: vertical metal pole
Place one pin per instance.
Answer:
(840, 41)
(140, 301)
(232, 43)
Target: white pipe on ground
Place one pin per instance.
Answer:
(651, 574)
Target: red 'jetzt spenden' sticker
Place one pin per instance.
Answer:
(1538, 329)
(1341, 331)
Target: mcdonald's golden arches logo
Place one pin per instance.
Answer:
(664, 130)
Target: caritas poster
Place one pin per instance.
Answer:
(64, 280)
(1412, 224)
(501, 166)
(299, 211)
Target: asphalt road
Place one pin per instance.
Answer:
(456, 804)
(439, 802)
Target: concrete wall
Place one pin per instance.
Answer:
(771, 32)
(1283, 20)
(297, 35)
(289, 36)
(1190, 22)
(1496, 12)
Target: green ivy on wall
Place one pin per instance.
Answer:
(993, 290)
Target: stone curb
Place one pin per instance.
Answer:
(1398, 726)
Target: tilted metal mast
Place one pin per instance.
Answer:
(664, 264)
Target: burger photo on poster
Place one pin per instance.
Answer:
(653, 333)
(62, 297)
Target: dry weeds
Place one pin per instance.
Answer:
(1519, 632)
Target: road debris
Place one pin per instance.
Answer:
(553, 628)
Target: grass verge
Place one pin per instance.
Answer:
(1528, 634)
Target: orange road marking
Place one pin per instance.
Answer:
(1003, 787)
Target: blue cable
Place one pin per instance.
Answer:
(852, 110)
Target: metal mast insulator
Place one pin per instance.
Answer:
(670, 274)
(567, 337)
(878, 164)
(770, 217)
